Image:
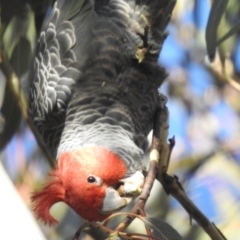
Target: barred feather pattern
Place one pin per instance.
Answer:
(88, 88)
(53, 75)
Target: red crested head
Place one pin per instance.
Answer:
(83, 180)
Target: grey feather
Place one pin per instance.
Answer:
(88, 87)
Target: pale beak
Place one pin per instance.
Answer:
(113, 202)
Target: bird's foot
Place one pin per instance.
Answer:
(142, 49)
(132, 186)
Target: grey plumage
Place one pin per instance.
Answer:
(88, 87)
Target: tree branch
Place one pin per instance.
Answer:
(173, 187)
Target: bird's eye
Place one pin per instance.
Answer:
(91, 179)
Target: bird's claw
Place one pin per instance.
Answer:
(132, 186)
(131, 189)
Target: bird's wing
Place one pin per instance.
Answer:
(67, 40)
(56, 68)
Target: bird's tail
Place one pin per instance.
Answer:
(146, 19)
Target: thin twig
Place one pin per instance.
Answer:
(148, 230)
(138, 216)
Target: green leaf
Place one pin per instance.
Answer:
(217, 10)
(11, 114)
(19, 40)
(231, 32)
(162, 229)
